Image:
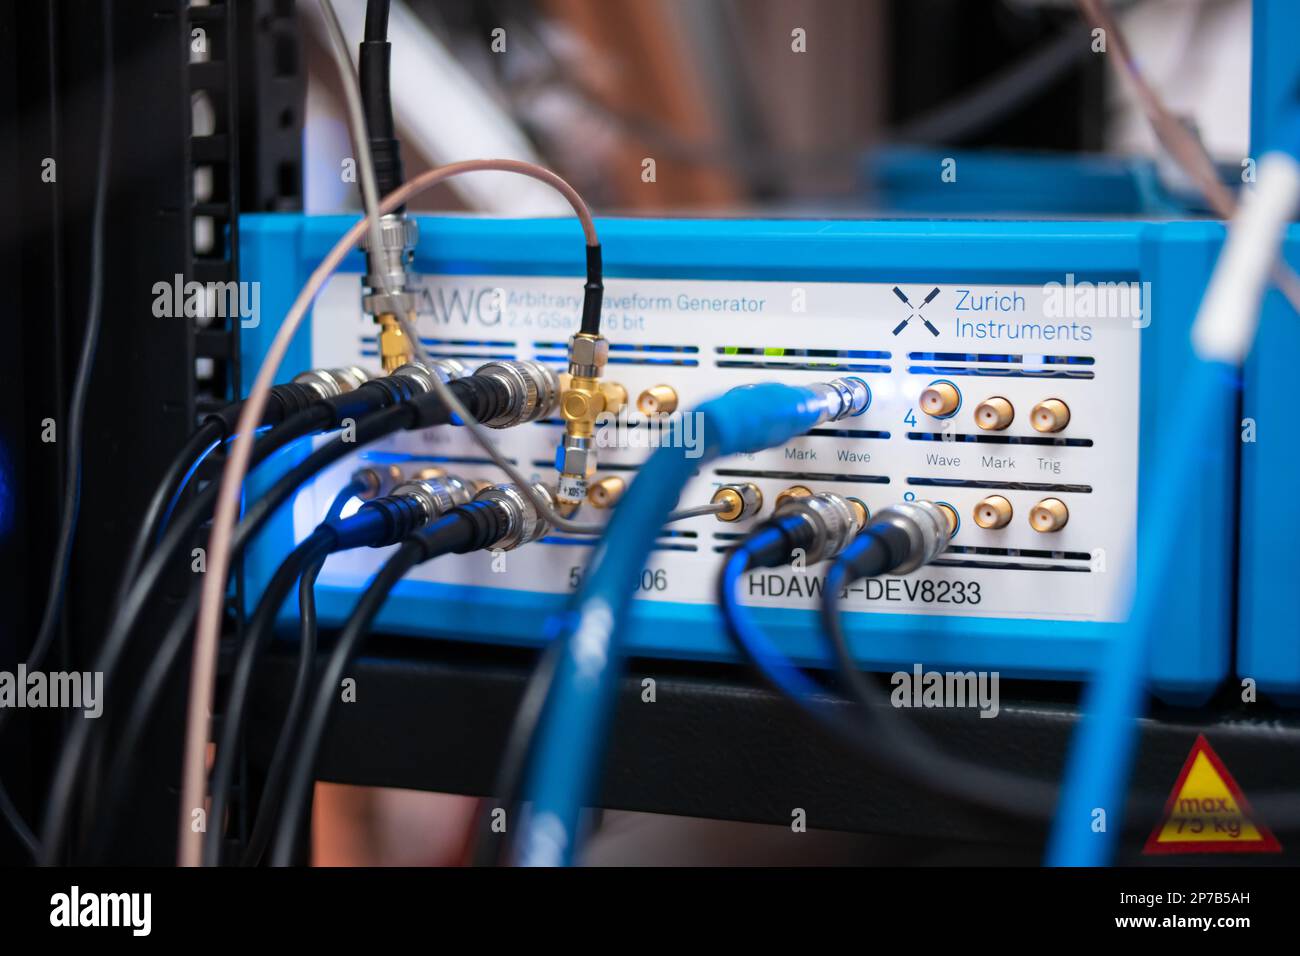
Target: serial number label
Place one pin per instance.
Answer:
(902, 590)
(651, 579)
(916, 591)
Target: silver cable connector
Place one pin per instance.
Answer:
(436, 494)
(386, 267)
(524, 523)
(834, 521)
(445, 369)
(927, 528)
(534, 391)
(333, 382)
(843, 397)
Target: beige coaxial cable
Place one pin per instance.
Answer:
(236, 467)
(212, 595)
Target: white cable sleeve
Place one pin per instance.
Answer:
(1229, 315)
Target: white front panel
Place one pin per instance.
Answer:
(703, 337)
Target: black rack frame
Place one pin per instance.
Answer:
(173, 209)
(434, 715)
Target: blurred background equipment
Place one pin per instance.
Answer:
(663, 109)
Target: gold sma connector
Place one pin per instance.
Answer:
(993, 512)
(861, 513)
(1050, 415)
(394, 346)
(994, 414)
(657, 400)
(740, 501)
(794, 491)
(940, 399)
(606, 492)
(1049, 515)
(950, 513)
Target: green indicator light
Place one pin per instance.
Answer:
(773, 352)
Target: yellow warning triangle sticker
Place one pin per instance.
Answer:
(1207, 812)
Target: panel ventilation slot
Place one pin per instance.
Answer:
(796, 359)
(467, 350)
(627, 353)
(802, 476)
(1000, 439)
(1009, 566)
(398, 458)
(846, 433)
(604, 467)
(990, 485)
(1002, 365)
(680, 541)
(1020, 553)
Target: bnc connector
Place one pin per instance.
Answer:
(524, 523)
(436, 495)
(332, 382)
(444, 369)
(832, 521)
(927, 529)
(533, 390)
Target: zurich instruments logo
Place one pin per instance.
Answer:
(914, 311)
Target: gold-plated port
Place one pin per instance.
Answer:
(994, 414)
(861, 512)
(940, 399)
(1050, 415)
(430, 473)
(950, 513)
(378, 480)
(735, 505)
(794, 491)
(742, 501)
(606, 492)
(657, 400)
(1049, 515)
(993, 512)
(394, 347)
(480, 484)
